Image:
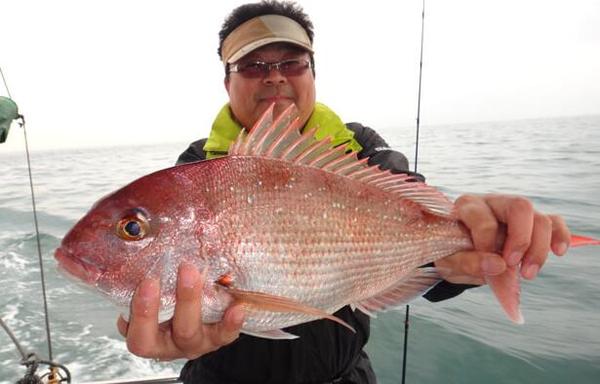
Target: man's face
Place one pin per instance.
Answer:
(250, 97)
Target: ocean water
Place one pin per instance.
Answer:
(554, 162)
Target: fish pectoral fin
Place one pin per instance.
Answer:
(275, 334)
(166, 313)
(272, 303)
(409, 288)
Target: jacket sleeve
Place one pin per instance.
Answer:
(380, 153)
(195, 152)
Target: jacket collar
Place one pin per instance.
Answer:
(225, 129)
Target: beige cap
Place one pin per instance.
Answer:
(260, 31)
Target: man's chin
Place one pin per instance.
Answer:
(280, 105)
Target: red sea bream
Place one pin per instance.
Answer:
(290, 227)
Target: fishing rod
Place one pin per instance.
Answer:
(419, 96)
(5, 84)
(406, 318)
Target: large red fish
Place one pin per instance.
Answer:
(290, 227)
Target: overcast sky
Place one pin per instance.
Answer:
(89, 73)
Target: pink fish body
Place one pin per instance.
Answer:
(292, 228)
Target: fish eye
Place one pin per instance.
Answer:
(133, 226)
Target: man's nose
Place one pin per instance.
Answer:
(274, 76)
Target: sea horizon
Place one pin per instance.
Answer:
(402, 127)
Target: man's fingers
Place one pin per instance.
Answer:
(470, 267)
(189, 334)
(479, 218)
(122, 326)
(528, 239)
(143, 325)
(187, 319)
(517, 212)
(228, 329)
(537, 253)
(185, 335)
(561, 236)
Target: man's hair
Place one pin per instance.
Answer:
(246, 12)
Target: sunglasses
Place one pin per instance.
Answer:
(260, 69)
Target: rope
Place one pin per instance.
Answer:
(37, 237)
(406, 319)
(30, 377)
(5, 84)
(14, 339)
(58, 373)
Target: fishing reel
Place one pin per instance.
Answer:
(57, 373)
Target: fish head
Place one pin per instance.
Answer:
(146, 229)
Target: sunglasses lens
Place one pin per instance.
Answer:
(254, 70)
(293, 67)
(259, 69)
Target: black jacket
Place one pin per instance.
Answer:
(325, 352)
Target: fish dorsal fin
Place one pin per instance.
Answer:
(268, 137)
(281, 139)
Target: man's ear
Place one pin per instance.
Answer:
(226, 83)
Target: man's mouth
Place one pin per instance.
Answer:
(276, 98)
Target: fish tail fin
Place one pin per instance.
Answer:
(507, 289)
(578, 241)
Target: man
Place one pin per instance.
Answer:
(266, 49)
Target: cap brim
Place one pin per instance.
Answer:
(261, 31)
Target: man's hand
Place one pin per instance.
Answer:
(184, 336)
(530, 235)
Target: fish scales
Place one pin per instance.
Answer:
(326, 241)
(289, 230)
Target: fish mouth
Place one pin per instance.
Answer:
(77, 267)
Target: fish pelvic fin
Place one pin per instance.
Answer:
(280, 138)
(507, 289)
(275, 334)
(272, 303)
(409, 288)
